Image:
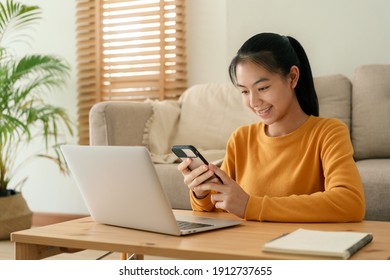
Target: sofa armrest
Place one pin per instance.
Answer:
(118, 123)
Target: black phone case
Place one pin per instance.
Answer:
(196, 156)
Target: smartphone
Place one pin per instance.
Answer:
(189, 151)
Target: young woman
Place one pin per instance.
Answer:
(292, 166)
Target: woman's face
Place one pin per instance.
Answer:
(269, 95)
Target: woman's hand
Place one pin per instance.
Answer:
(228, 196)
(196, 177)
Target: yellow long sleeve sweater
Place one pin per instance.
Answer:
(308, 175)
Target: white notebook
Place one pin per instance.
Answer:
(336, 244)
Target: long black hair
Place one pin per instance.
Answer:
(278, 54)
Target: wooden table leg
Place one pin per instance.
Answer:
(127, 256)
(25, 251)
(33, 252)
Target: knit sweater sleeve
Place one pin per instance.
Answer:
(203, 204)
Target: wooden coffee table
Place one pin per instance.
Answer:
(240, 242)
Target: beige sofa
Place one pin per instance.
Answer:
(206, 114)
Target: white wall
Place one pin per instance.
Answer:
(206, 41)
(46, 189)
(338, 36)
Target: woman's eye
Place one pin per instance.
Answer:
(263, 88)
(244, 92)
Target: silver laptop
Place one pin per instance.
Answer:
(120, 187)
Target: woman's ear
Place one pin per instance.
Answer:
(294, 76)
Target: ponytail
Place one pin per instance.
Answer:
(305, 90)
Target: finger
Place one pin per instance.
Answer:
(217, 187)
(218, 171)
(218, 201)
(198, 176)
(220, 205)
(215, 197)
(183, 166)
(213, 180)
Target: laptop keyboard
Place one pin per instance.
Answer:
(191, 225)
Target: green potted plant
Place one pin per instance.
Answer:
(25, 116)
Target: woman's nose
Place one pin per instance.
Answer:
(254, 99)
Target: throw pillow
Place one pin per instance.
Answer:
(209, 114)
(160, 128)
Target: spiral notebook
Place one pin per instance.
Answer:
(334, 244)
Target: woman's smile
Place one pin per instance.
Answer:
(263, 112)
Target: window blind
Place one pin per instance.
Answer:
(128, 50)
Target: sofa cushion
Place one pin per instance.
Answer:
(375, 174)
(371, 112)
(160, 128)
(209, 114)
(118, 123)
(334, 97)
(173, 184)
